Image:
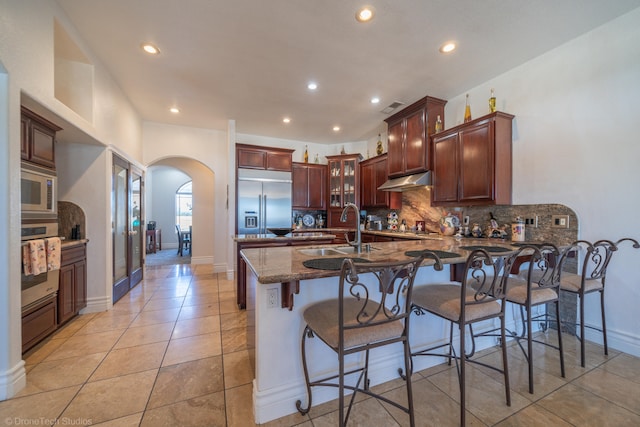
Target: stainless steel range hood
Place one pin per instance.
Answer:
(405, 183)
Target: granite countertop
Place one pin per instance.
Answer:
(297, 236)
(285, 264)
(67, 243)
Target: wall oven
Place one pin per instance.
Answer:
(38, 197)
(36, 288)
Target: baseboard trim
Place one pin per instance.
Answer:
(12, 381)
(97, 304)
(617, 340)
(201, 260)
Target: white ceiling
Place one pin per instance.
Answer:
(250, 60)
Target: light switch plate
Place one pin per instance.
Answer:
(559, 221)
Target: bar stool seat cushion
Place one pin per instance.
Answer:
(322, 318)
(444, 300)
(517, 292)
(572, 282)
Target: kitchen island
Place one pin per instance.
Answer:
(246, 241)
(277, 275)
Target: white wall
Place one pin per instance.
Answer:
(203, 155)
(576, 143)
(84, 183)
(26, 53)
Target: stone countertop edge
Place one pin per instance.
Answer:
(70, 243)
(284, 264)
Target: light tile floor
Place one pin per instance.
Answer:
(173, 352)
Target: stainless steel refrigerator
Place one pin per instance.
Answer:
(264, 200)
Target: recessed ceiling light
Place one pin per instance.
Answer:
(174, 110)
(364, 14)
(151, 49)
(375, 100)
(312, 86)
(286, 120)
(336, 128)
(448, 47)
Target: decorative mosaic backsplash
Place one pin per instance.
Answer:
(70, 215)
(416, 206)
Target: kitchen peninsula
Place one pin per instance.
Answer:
(246, 241)
(274, 332)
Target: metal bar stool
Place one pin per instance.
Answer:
(372, 310)
(480, 296)
(537, 285)
(591, 278)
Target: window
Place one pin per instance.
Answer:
(184, 206)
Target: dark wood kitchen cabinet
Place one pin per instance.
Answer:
(309, 186)
(408, 136)
(472, 163)
(39, 322)
(344, 188)
(37, 139)
(266, 158)
(373, 173)
(72, 293)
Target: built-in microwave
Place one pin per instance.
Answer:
(38, 197)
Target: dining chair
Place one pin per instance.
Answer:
(478, 297)
(371, 310)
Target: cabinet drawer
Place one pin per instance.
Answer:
(72, 254)
(38, 323)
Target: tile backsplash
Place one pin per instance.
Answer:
(70, 215)
(416, 206)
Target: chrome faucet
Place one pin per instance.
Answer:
(357, 243)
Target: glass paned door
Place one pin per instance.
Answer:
(120, 230)
(127, 226)
(136, 225)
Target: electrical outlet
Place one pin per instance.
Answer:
(531, 221)
(559, 221)
(272, 298)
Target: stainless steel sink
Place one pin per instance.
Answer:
(366, 247)
(338, 250)
(321, 252)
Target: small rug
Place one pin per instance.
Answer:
(486, 248)
(167, 257)
(440, 254)
(329, 263)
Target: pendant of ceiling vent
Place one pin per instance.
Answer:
(391, 107)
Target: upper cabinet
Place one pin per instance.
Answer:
(309, 186)
(373, 173)
(408, 136)
(267, 158)
(344, 187)
(37, 139)
(472, 163)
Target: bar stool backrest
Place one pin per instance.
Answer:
(386, 301)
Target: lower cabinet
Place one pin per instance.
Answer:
(38, 322)
(72, 293)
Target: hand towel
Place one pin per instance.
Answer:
(37, 256)
(27, 268)
(53, 253)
